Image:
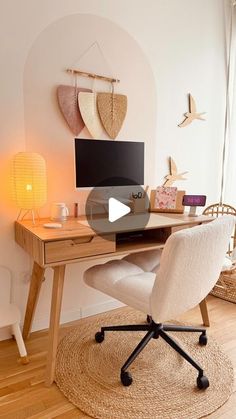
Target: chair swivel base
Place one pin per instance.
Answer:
(156, 330)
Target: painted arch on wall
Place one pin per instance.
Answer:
(90, 43)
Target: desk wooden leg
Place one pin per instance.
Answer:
(37, 278)
(58, 282)
(204, 312)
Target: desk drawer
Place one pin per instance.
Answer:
(69, 249)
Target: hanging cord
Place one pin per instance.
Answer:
(227, 106)
(101, 53)
(93, 85)
(75, 91)
(112, 102)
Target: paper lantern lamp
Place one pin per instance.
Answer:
(29, 182)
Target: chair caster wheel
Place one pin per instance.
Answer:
(203, 339)
(149, 319)
(126, 378)
(99, 337)
(202, 382)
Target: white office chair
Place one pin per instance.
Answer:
(189, 267)
(9, 313)
(149, 261)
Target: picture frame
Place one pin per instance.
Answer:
(179, 208)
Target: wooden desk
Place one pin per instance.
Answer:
(75, 242)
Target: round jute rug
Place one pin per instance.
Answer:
(164, 384)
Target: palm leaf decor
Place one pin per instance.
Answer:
(112, 109)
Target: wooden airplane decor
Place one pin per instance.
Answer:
(192, 114)
(174, 175)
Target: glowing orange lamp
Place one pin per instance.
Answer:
(29, 183)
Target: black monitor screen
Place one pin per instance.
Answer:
(108, 163)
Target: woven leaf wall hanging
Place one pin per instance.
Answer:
(89, 113)
(68, 102)
(112, 109)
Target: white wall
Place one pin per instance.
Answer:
(181, 43)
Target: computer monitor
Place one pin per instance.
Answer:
(108, 163)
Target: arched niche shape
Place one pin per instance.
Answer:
(60, 46)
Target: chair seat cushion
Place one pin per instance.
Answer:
(148, 261)
(9, 314)
(124, 281)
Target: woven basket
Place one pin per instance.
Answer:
(225, 287)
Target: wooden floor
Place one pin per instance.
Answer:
(23, 394)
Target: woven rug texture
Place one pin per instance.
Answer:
(164, 384)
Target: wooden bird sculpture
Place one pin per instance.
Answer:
(174, 175)
(192, 114)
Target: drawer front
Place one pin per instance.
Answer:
(69, 249)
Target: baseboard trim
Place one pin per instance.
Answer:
(68, 316)
(71, 315)
(100, 308)
(5, 333)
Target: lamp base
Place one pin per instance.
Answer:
(34, 215)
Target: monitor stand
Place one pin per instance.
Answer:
(192, 212)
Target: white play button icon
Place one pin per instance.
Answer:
(116, 209)
(116, 215)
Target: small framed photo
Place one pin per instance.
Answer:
(166, 199)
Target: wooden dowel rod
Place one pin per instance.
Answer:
(93, 76)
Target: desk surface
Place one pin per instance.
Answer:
(76, 227)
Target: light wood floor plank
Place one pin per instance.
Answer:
(23, 394)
